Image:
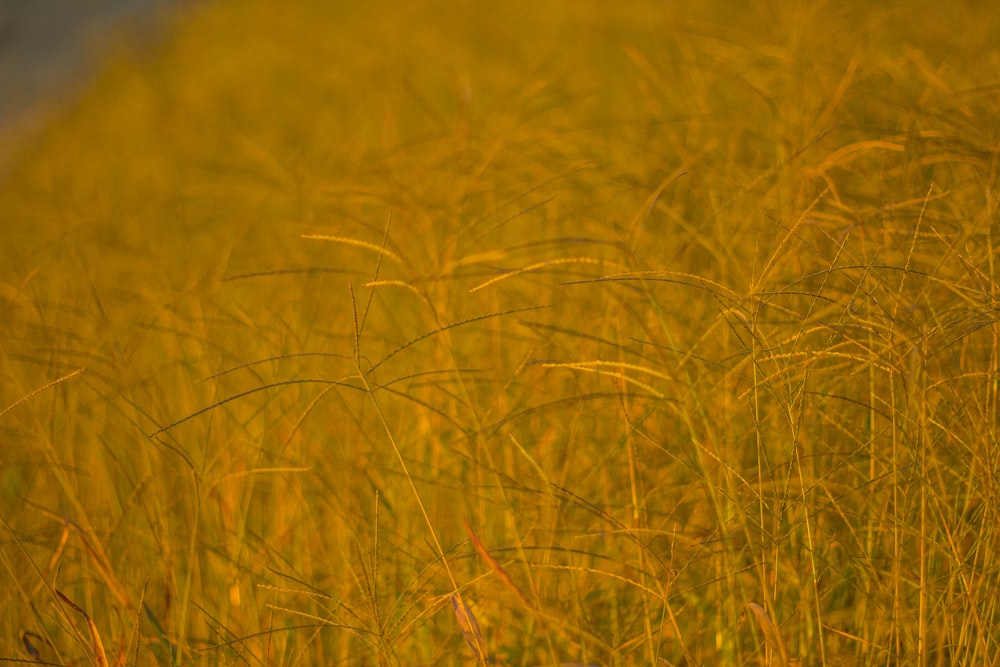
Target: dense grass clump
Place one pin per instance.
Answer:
(437, 332)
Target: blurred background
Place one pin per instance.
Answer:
(49, 47)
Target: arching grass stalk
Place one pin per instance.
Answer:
(463, 613)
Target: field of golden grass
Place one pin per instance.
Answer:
(573, 332)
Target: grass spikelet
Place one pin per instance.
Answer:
(535, 267)
(598, 369)
(374, 247)
(771, 635)
(393, 283)
(100, 657)
(39, 390)
(496, 566)
(470, 629)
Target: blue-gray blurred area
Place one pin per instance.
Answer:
(49, 48)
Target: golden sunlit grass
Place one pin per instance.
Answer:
(536, 334)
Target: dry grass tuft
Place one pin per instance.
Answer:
(680, 306)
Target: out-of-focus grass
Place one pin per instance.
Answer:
(689, 313)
